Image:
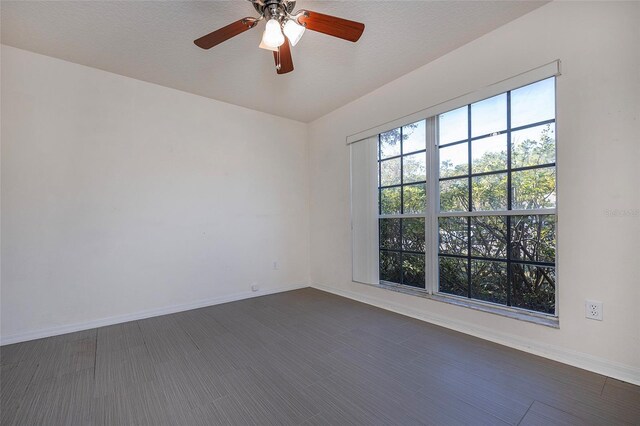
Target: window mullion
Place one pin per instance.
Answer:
(519, 212)
(509, 202)
(401, 207)
(470, 209)
(433, 202)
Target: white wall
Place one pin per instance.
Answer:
(598, 155)
(123, 199)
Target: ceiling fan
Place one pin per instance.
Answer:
(284, 29)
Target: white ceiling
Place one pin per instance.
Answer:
(152, 41)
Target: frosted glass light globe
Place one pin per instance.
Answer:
(293, 31)
(273, 36)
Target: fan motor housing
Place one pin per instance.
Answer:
(263, 7)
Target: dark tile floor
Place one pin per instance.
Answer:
(300, 357)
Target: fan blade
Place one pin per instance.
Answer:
(225, 33)
(331, 25)
(284, 54)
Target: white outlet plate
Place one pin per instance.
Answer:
(255, 287)
(593, 310)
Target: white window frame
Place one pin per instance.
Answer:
(432, 211)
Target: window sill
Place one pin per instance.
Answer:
(505, 311)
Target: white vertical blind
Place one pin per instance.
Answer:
(364, 210)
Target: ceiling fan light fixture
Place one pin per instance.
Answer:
(293, 31)
(272, 37)
(284, 28)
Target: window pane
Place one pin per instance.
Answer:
(454, 160)
(533, 103)
(414, 167)
(453, 235)
(390, 266)
(489, 154)
(390, 172)
(489, 116)
(489, 192)
(453, 276)
(489, 236)
(534, 238)
(415, 198)
(476, 253)
(390, 143)
(533, 287)
(413, 270)
(534, 189)
(489, 281)
(390, 234)
(390, 200)
(533, 146)
(414, 137)
(453, 126)
(413, 234)
(454, 195)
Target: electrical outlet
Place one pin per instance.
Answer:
(275, 265)
(593, 310)
(255, 287)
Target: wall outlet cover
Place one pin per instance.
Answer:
(593, 310)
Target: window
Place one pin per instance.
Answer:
(497, 192)
(402, 189)
(489, 233)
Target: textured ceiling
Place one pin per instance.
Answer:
(152, 41)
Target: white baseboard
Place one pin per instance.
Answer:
(577, 359)
(71, 328)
